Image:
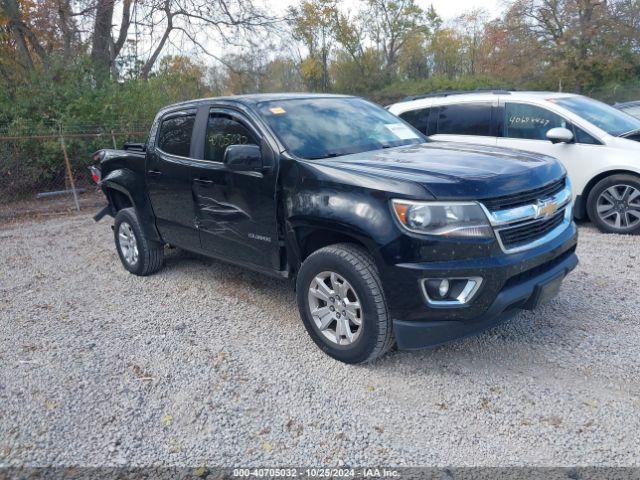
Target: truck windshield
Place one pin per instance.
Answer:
(324, 127)
(607, 118)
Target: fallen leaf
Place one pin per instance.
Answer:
(167, 419)
(174, 446)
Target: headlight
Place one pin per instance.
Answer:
(454, 219)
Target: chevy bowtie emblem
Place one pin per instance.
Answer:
(546, 208)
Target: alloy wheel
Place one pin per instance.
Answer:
(335, 308)
(128, 243)
(619, 206)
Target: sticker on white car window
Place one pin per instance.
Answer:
(277, 110)
(401, 131)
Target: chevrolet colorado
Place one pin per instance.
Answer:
(388, 237)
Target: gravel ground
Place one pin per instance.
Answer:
(208, 364)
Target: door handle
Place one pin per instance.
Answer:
(154, 172)
(204, 181)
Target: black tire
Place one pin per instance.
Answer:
(595, 193)
(358, 268)
(150, 257)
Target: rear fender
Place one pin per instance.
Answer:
(132, 185)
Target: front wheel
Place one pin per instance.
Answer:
(138, 254)
(342, 304)
(614, 204)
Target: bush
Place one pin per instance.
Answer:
(67, 100)
(398, 90)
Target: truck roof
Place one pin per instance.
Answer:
(254, 98)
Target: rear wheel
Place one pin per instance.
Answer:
(342, 304)
(614, 204)
(138, 254)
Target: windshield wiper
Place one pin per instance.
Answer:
(326, 155)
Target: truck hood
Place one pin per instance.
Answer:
(454, 171)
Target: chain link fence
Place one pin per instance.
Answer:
(44, 167)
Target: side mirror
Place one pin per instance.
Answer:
(243, 158)
(560, 135)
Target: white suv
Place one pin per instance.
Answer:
(598, 145)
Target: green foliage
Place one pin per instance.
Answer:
(398, 90)
(67, 101)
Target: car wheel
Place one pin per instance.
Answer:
(614, 204)
(342, 304)
(138, 254)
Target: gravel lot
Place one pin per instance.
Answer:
(208, 364)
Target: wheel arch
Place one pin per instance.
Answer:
(125, 188)
(305, 238)
(581, 210)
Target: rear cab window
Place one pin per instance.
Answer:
(175, 134)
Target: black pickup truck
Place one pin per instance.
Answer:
(387, 237)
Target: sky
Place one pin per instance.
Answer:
(447, 9)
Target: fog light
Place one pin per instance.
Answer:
(450, 291)
(443, 289)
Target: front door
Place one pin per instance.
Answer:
(235, 211)
(525, 127)
(168, 176)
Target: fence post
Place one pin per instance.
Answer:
(68, 166)
(113, 138)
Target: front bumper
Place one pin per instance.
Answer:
(510, 282)
(412, 335)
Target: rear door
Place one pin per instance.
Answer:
(168, 174)
(235, 211)
(466, 122)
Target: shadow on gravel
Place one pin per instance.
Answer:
(503, 344)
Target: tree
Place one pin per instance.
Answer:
(313, 24)
(226, 19)
(26, 41)
(577, 37)
(445, 51)
(391, 23)
(100, 55)
(472, 27)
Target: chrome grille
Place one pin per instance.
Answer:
(524, 198)
(525, 233)
(527, 225)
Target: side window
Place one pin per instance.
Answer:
(584, 137)
(175, 135)
(222, 131)
(529, 121)
(465, 119)
(418, 119)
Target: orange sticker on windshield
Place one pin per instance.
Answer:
(277, 110)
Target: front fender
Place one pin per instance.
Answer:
(361, 214)
(132, 185)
